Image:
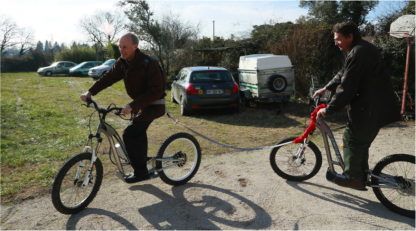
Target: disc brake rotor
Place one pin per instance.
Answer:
(292, 161)
(182, 158)
(407, 187)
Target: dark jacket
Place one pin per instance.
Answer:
(143, 91)
(364, 86)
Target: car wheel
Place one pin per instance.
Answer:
(236, 109)
(184, 112)
(245, 102)
(48, 73)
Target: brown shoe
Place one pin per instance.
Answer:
(343, 181)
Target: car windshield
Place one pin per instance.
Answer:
(80, 65)
(210, 76)
(109, 62)
(54, 64)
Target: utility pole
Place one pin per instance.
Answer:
(213, 30)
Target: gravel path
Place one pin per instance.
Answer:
(230, 191)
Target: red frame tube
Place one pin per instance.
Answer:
(405, 77)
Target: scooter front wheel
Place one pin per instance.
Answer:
(70, 194)
(288, 165)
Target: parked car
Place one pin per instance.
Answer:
(61, 67)
(196, 88)
(83, 68)
(97, 72)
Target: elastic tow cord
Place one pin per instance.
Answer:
(228, 146)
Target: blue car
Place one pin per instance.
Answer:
(196, 88)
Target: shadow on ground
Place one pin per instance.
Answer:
(181, 212)
(350, 201)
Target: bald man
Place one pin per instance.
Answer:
(147, 96)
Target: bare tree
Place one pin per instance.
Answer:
(179, 36)
(102, 26)
(26, 40)
(389, 13)
(164, 37)
(101, 29)
(8, 33)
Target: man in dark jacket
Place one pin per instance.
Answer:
(364, 86)
(146, 93)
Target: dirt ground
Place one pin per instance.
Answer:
(230, 191)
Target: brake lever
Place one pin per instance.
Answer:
(318, 98)
(118, 113)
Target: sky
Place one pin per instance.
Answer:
(58, 20)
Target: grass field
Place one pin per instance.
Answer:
(43, 124)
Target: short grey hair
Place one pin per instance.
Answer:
(134, 38)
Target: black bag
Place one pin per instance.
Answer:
(146, 61)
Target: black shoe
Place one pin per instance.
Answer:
(133, 179)
(343, 181)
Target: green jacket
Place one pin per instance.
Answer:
(364, 85)
(143, 91)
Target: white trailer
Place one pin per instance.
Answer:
(266, 77)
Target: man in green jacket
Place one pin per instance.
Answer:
(364, 86)
(146, 93)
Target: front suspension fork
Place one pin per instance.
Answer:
(93, 159)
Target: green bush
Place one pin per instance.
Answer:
(112, 51)
(394, 52)
(312, 52)
(224, 53)
(76, 54)
(32, 61)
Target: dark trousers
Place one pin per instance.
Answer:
(356, 146)
(135, 140)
